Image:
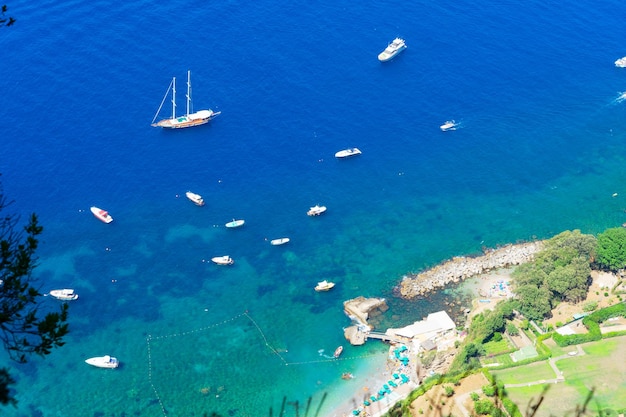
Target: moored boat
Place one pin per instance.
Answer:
(394, 48)
(195, 198)
(235, 223)
(223, 260)
(188, 119)
(105, 361)
(316, 210)
(101, 214)
(348, 152)
(338, 352)
(281, 241)
(65, 294)
(324, 286)
(448, 125)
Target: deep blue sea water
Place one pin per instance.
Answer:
(540, 150)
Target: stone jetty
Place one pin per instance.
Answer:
(462, 267)
(360, 309)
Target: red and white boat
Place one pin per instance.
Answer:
(101, 214)
(338, 352)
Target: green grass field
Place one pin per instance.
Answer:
(494, 348)
(556, 349)
(602, 368)
(523, 374)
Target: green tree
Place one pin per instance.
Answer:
(560, 272)
(535, 303)
(24, 329)
(6, 21)
(512, 330)
(611, 252)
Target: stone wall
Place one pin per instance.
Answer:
(462, 267)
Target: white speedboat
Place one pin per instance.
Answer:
(348, 152)
(235, 223)
(223, 260)
(101, 214)
(281, 241)
(324, 286)
(105, 361)
(195, 198)
(448, 125)
(65, 294)
(316, 210)
(394, 48)
(621, 63)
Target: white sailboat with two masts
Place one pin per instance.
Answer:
(190, 118)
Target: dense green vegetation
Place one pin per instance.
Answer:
(611, 250)
(560, 272)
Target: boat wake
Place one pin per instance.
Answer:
(323, 355)
(621, 97)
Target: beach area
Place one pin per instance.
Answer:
(485, 289)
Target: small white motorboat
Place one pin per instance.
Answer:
(223, 260)
(316, 210)
(65, 294)
(394, 48)
(105, 361)
(102, 215)
(235, 223)
(195, 198)
(621, 63)
(347, 153)
(448, 125)
(281, 241)
(324, 286)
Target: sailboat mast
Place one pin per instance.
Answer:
(188, 90)
(174, 98)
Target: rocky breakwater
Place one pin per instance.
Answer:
(462, 267)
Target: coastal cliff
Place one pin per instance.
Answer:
(462, 267)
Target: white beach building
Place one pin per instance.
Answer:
(437, 329)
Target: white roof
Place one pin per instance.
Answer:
(435, 323)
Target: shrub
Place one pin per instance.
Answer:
(483, 407)
(449, 391)
(511, 329)
(474, 396)
(497, 337)
(590, 306)
(489, 390)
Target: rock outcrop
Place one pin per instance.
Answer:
(360, 309)
(462, 267)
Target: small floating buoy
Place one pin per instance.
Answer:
(614, 194)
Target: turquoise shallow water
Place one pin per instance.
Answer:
(540, 150)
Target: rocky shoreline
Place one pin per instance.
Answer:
(462, 267)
